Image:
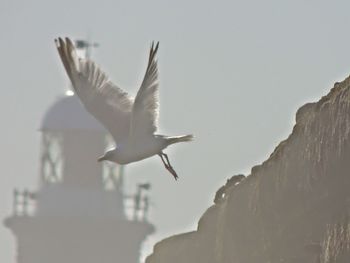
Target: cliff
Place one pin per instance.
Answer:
(291, 208)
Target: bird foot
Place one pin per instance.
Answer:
(168, 165)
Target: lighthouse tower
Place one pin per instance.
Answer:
(78, 213)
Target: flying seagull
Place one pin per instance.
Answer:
(132, 122)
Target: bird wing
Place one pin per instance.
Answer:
(104, 100)
(145, 111)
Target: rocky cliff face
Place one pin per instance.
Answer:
(291, 208)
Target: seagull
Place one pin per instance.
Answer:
(132, 122)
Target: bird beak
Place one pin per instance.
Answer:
(102, 158)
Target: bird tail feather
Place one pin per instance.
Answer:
(181, 138)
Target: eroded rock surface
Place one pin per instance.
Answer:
(291, 208)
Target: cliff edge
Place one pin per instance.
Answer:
(294, 207)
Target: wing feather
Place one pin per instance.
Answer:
(104, 100)
(145, 110)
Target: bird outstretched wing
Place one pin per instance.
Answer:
(104, 100)
(145, 110)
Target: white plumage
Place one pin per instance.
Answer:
(131, 122)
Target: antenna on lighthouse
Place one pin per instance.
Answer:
(85, 45)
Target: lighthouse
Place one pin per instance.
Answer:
(78, 213)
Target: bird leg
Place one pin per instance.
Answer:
(167, 164)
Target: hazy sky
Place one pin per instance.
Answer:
(231, 72)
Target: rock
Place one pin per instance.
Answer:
(292, 208)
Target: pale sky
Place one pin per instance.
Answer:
(233, 73)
